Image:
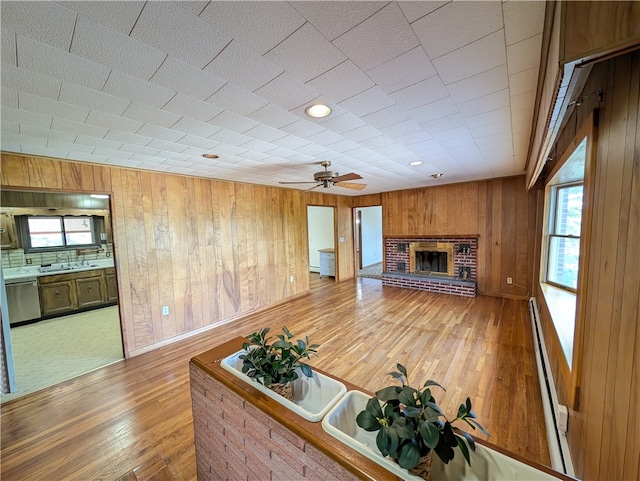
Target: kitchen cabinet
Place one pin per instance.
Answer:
(112, 286)
(57, 297)
(327, 262)
(8, 233)
(73, 291)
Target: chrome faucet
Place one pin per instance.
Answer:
(64, 254)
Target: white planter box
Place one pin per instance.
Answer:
(312, 397)
(486, 464)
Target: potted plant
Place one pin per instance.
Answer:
(411, 425)
(275, 365)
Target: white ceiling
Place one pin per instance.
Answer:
(154, 85)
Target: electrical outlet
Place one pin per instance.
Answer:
(165, 310)
(292, 278)
(29, 261)
(509, 280)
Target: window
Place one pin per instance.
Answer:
(47, 232)
(564, 236)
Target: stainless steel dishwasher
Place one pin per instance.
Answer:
(23, 300)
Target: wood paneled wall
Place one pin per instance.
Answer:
(210, 250)
(500, 211)
(604, 431)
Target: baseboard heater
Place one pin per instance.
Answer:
(555, 415)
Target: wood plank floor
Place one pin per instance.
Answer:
(107, 423)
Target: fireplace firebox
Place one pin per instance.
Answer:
(431, 258)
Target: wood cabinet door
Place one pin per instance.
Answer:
(112, 288)
(8, 237)
(57, 297)
(89, 291)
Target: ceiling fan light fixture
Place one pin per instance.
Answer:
(436, 176)
(318, 111)
(417, 162)
(210, 156)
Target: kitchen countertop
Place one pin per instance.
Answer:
(27, 272)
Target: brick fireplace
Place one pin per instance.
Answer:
(446, 264)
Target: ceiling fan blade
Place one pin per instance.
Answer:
(314, 187)
(350, 185)
(350, 176)
(312, 182)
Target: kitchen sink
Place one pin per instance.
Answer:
(486, 463)
(312, 397)
(65, 267)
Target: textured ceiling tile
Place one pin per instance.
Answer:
(265, 133)
(242, 66)
(291, 142)
(479, 105)
(435, 110)
(362, 133)
(302, 128)
(230, 138)
(522, 20)
(444, 123)
(335, 18)
(186, 79)
(197, 143)
(342, 123)
(525, 81)
(139, 149)
(68, 146)
(170, 28)
(78, 128)
(524, 55)
(487, 140)
(237, 100)
(127, 138)
(160, 133)
(422, 93)
(9, 97)
(287, 92)
(260, 146)
(52, 107)
(121, 17)
(344, 145)
(113, 122)
(232, 121)
(380, 38)
(192, 108)
(163, 145)
(478, 85)
(92, 99)
(54, 133)
(475, 58)
(36, 142)
(325, 138)
(456, 25)
(524, 101)
(29, 82)
(341, 82)
(407, 69)
(24, 116)
(274, 116)
(376, 142)
(96, 142)
(46, 22)
(60, 64)
(385, 117)
(195, 7)
(124, 53)
(137, 90)
(305, 54)
(367, 102)
(150, 115)
(112, 153)
(414, 10)
(259, 25)
(8, 47)
(501, 116)
(413, 138)
(201, 129)
(401, 128)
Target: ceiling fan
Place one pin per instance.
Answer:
(327, 178)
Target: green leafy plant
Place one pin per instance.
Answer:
(410, 423)
(276, 363)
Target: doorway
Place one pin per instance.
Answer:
(321, 236)
(60, 246)
(368, 241)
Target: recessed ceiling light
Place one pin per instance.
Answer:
(417, 162)
(210, 156)
(318, 111)
(436, 176)
(99, 196)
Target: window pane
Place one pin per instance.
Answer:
(45, 232)
(569, 210)
(78, 230)
(564, 255)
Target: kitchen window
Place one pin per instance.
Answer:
(55, 232)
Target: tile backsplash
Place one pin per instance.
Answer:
(16, 257)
